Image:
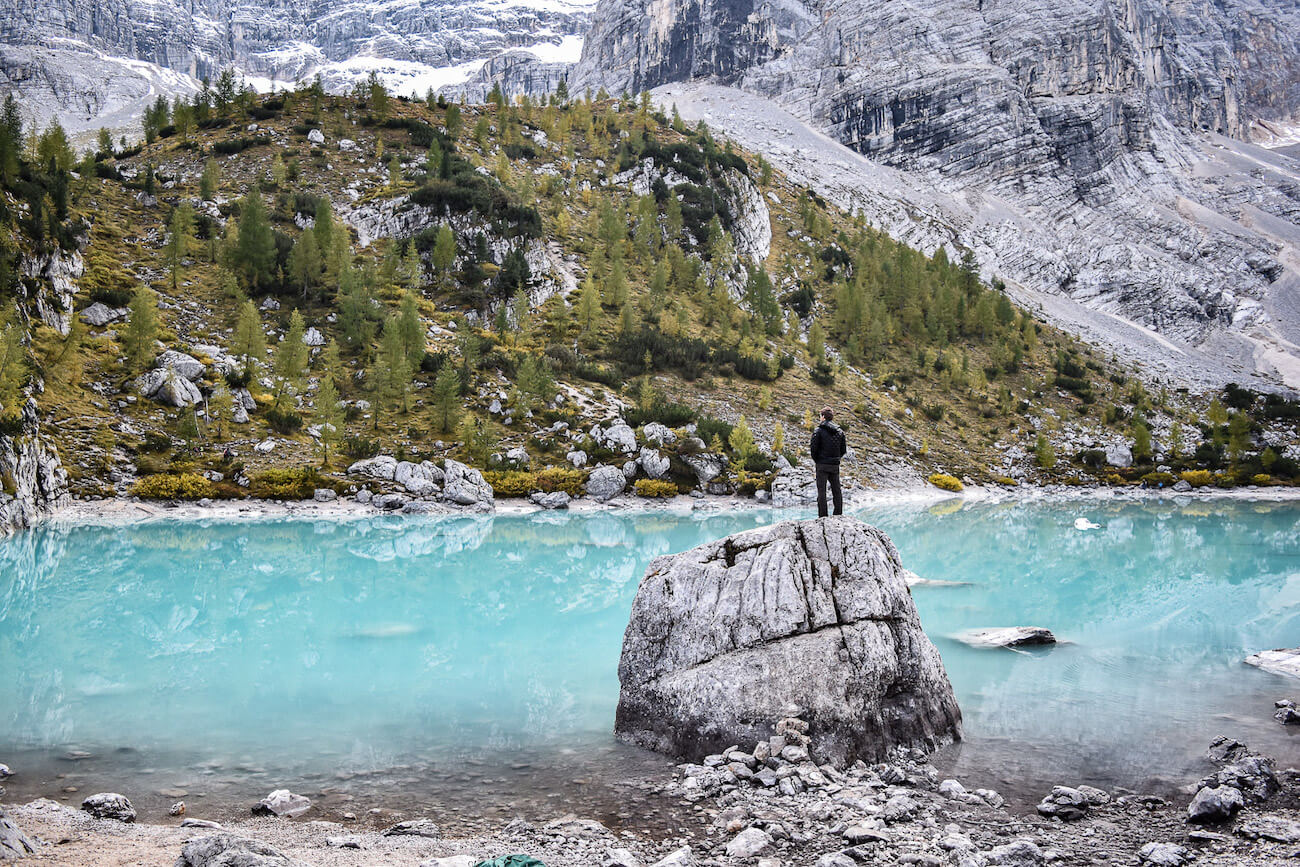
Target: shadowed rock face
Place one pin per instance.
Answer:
(803, 618)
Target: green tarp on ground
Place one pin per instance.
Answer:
(512, 861)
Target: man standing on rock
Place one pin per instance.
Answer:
(828, 446)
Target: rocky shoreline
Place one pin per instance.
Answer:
(896, 812)
(131, 510)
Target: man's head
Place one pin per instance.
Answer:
(827, 413)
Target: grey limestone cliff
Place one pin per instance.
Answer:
(1089, 149)
(32, 480)
(97, 63)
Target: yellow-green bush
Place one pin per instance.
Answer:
(561, 479)
(1197, 478)
(946, 482)
(654, 488)
(1159, 478)
(286, 483)
(1114, 479)
(1260, 479)
(511, 483)
(1006, 481)
(173, 486)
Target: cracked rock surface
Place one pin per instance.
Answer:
(801, 618)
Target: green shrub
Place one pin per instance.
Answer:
(1198, 478)
(561, 479)
(511, 483)
(1260, 479)
(11, 424)
(173, 486)
(654, 488)
(1158, 478)
(285, 483)
(359, 448)
(707, 428)
(946, 482)
(284, 422)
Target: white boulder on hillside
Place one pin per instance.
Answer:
(383, 467)
(618, 437)
(806, 618)
(466, 486)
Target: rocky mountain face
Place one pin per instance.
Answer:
(97, 63)
(1092, 151)
(32, 480)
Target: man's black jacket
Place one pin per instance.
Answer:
(828, 445)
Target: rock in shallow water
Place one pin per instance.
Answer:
(807, 618)
(1011, 636)
(109, 805)
(1285, 661)
(283, 803)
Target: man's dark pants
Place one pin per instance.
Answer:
(829, 475)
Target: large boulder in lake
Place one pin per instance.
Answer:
(802, 618)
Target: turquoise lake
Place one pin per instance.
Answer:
(463, 658)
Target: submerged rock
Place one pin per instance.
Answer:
(1011, 636)
(1284, 661)
(231, 850)
(807, 618)
(282, 803)
(109, 805)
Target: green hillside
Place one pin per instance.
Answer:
(465, 265)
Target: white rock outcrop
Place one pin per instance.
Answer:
(807, 618)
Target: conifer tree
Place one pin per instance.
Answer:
(248, 342)
(588, 304)
(535, 381)
(291, 359)
(179, 230)
(331, 364)
(1141, 438)
(445, 408)
(390, 372)
(256, 246)
(444, 250)
(209, 180)
(411, 330)
(1044, 454)
(141, 327)
(305, 263)
(329, 415)
(221, 409)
